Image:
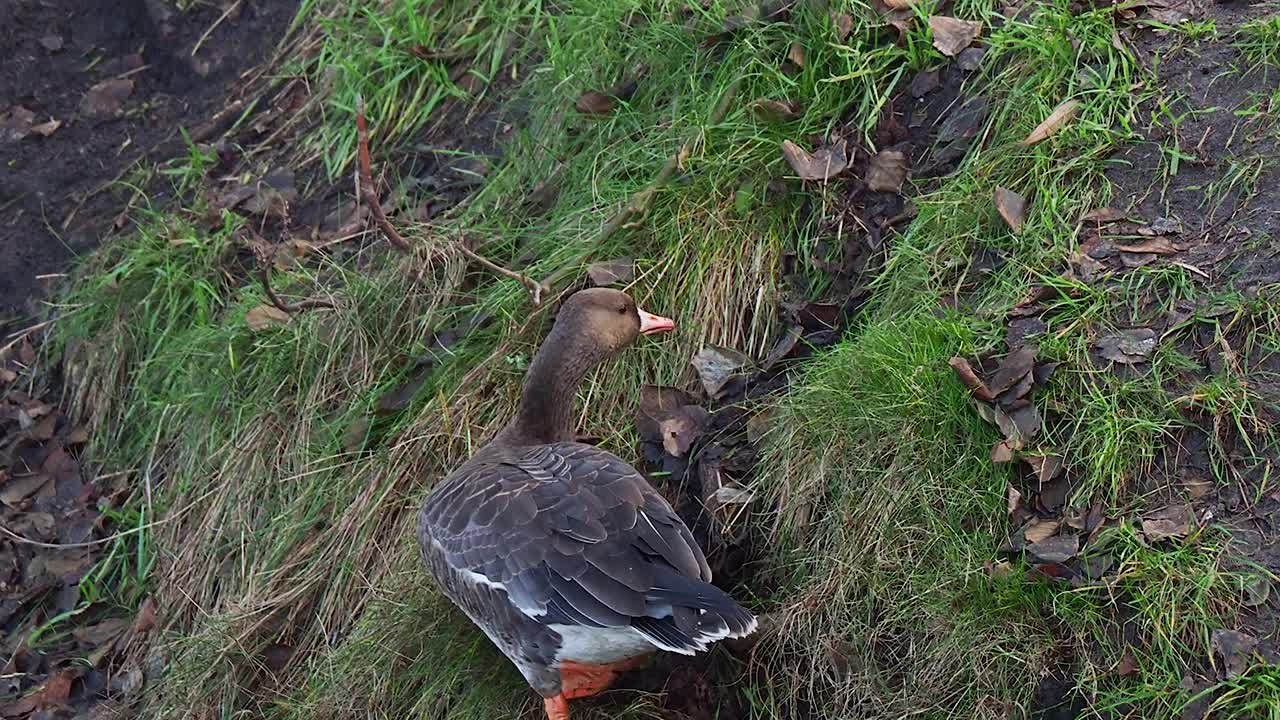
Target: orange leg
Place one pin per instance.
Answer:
(582, 680)
(578, 680)
(557, 707)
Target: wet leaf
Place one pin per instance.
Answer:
(925, 82)
(146, 619)
(593, 102)
(970, 379)
(26, 353)
(105, 100)
(1057, 549)
(1257, 590)
(730, 495)
(619, 271)
(951, 35)
(1154, 246)
(1128, 663)
(887, 171)
(1128, 347)
(1234, 648)
(681, 428)
(796, 54)
(1040, 529)
(1013, 368)
(784, 347)
(1046, 467)
(7, 375)
(52, 43)
(18, 489)
(45, 129)
(844, 26)
(1173, 521)
(658, 399)
(1013, 498)
(715, 365)
(900, 4)
(1103, 216)
(264, 316)
(1057, 119)
(776, 110)
(825, 163)
(101, 633)
(1002, 452)
(1012, 207)
(970, 59)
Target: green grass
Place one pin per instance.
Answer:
(283, 500)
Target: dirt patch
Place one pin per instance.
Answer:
(104, 84)
(90, 89)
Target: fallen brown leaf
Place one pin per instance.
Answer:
(681, 428)
(146, 619)
(970, 379)
(264, 316)
(900, 4)
(1057, 119)
(1013, 368)
(1012, 207)
(18, 489)
(1013, 498)
(1103, 215)
(1040, 529)
(1128, 663)
(951, 35)
(776, 110)
(52, 43)
(825, 163)
(1234, 648)
(45, 129)
(593, 102)
(796, 54)
(619, 271)
(844, 26)
(1155, 246)
(1056, 549)
(715, 365)
(887, 171)
(1173, 521)
(106, 99)
(1128, 347)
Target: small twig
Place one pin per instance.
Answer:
(536, 289)
(225, 14)
(367, 192)
(263, 255)
(369, 197)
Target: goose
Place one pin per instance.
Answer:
(561, 552)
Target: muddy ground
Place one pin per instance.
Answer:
(90, 91)
(91, 87)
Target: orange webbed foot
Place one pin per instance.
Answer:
(578, 680)
(557, 707)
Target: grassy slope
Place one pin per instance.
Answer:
(278, 538)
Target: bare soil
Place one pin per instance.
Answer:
(56, 201)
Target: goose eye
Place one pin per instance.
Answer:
(622, 310)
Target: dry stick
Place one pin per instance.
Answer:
(263, 255)
(370, 198)
(368, 194)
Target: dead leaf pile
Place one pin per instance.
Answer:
(46, 501)
(1003, 397)
(1111, 242)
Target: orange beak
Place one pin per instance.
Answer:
(651, 324)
